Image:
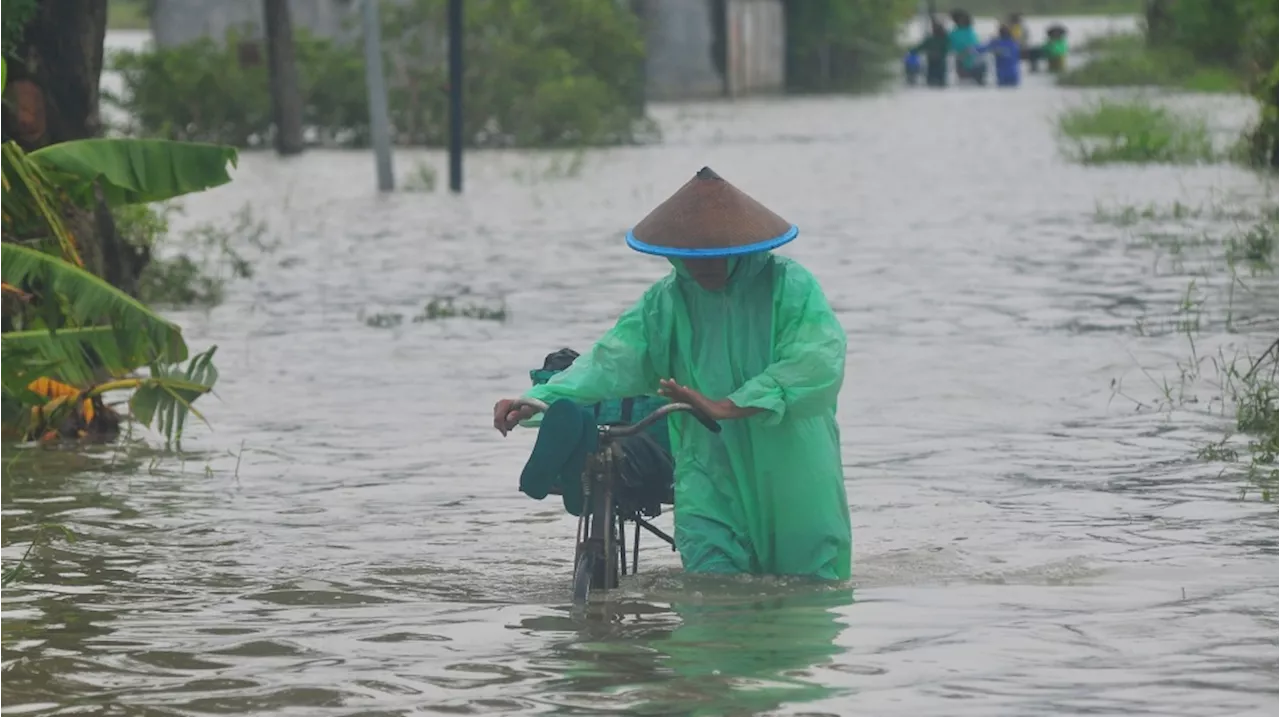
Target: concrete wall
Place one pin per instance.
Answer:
(679, 64)
(756, 42)
(177, 21)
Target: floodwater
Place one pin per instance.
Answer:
(347, 537)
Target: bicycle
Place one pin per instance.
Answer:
(600, 556)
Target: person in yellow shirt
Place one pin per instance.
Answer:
(1018, 31)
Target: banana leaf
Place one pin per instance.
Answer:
(70, 355)
(168, 394)
(137, 171)
(133, 336)
(32, 205)
(19, 368)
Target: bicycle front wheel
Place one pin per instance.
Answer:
(583, 573)
(603, 541)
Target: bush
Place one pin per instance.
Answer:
(1210, 31)
(1122, 65)
(1069, 8)
(536, 74)
(1237, 34)
(842, 45)
(1134, 131)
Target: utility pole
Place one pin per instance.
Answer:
(379, 121)
(455, 96)
(286, 97)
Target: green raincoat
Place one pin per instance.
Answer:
(767, 494)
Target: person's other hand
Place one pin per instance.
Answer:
(506, 418)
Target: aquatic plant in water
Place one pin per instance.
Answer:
(460, 306)
(1237, 384)
(211, 255)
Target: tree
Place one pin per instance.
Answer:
(52, 93)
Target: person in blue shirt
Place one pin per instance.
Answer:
(1007, 53)
(912, 67)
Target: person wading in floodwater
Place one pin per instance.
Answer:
(747, 338)
(935, 48)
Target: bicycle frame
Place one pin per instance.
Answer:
(596, 557)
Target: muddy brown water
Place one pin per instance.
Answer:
(347, 539)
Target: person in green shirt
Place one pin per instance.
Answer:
(1055, 49)
(935, 48)
(747, 338)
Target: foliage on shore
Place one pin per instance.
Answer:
(1054, 8)
(538, 74)
(1126, 60)
(842, 45)
(128, 15)
(1224, 46)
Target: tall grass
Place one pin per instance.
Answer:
(1134, 131)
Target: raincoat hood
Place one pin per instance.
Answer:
(741, 268)
(710, 218)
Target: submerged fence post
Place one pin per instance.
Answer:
(455, 96)
(379, 123)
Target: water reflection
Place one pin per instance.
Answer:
(719, 648)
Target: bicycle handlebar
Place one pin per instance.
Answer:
(630, 430)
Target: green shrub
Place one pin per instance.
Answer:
(1134, 131)
(197, 92)
(1059, 8)
(1210, 31)
(1126, 61)
(536, 74)
(842, 45)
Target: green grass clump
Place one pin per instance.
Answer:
(1134, 131)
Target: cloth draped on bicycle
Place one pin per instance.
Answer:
(567, 433)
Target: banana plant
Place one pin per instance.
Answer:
(61, 410)
(98, 327)
(71, 337)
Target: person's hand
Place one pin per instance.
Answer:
(505, 418)
(715, 410)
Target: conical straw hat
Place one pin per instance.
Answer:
(708, 217)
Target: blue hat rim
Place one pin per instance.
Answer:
(714, 253)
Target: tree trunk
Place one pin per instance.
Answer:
(286, 97)
(53, 88)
